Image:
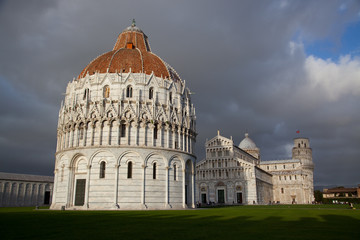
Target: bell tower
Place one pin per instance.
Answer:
(303, 152)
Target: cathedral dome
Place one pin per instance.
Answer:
(247, 143)
(131, 53)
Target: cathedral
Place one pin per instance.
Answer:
(233, 174)
(126, 133)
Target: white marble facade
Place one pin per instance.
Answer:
(24, 190)
(236, 175)
(125, 139)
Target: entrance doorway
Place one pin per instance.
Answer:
(186, 194)
(47, 198)
(239, 198)
(203, 198)
(80, 192)
(221, 196)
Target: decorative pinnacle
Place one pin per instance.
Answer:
(133, 24)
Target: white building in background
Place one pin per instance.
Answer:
(236, 175)
(126, 133)
(23, 190)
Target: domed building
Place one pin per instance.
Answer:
(233, 174)
(126, 133)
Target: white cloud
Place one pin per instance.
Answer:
(333, 79)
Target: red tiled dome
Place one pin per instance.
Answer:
(131, 50)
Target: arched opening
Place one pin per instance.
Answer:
(154, 171)
(102, 169)
(151, 93)
(189, 184)
(129, 92)
(129, 170)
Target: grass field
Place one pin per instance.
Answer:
(242, 222)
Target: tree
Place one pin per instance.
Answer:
(318, 196)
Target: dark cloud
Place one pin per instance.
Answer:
(245, 61)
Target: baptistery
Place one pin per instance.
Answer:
(126, 133)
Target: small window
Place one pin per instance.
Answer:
(267, 167)
(203, 175)
(86, 93)
(129, 92)
(293, 165)
(213, 164)
(305, 144)
(295, 177)
(170, 97)
(213, 174)
(123, 130)
(151, 93)
(129, 171)
(102, 169)
(290, 177)
(219, 173)
(219, 153)
(219, 164)
(284, 166)
(275, 167)
(282, 190)
(284, 177)
(279, 177)
(174, 172)
(227, 174)
(238, 163)
(106, 91)
(154, 171)
(298, 144)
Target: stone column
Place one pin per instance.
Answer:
(193, 188)
(183, 178)
(109, 133)
(183, 139)
(119, 132)
(173, 137)
(116, 185)
(143, 138)
(87, 186)
(85, 135)
(179, 138)
(53, 202)
(135, 125)
(92, 140)
(167, 187)
(143, 187)
(128, 135)
(167, 128)
(70, 186)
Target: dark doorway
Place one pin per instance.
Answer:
(186, 194)
(239, 197)
(47, 198)
(221, 196)
(203, 198)
(80, 192)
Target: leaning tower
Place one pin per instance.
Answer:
(303, 152)
(126, 133)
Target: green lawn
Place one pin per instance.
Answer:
(242, 222)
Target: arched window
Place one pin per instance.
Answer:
(174, 172)
(123, 130)
(304, 144)
(129, 91)
(298, 144)
(129, 172)
(102, 169)
(170, 97)
(151, 93)
(154, 171)
(282, 190)
(155, 131)
(86, 93)
(106, 91)
(81, 129)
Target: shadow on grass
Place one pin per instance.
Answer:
(226, 223)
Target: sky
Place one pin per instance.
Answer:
(269, 68)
